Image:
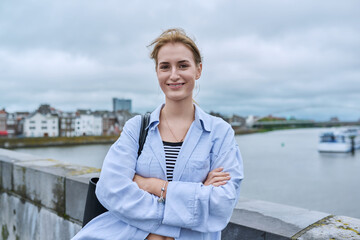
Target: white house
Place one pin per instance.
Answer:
(88, 124)
(41, 125)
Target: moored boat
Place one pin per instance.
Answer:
(339, 140)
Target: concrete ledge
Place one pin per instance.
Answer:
(332, 227)
(254, 219)
(266, 220)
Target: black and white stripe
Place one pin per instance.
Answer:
(172, 150)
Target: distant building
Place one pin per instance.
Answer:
(44, 122)
(3, 119)
(41, 125)
(87, 124)
(334, 119)
(67, 124)
(237, 121)
(20, 120)
(122, 105)
(11, 124)
(122, 117)
(110, 124)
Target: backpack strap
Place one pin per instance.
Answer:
(145, 119)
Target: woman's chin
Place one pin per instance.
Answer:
(178, 98)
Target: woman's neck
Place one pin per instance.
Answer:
(179, 110)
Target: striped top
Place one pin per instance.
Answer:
(172, 150)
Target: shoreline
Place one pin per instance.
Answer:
(12, 143)
(33, 142)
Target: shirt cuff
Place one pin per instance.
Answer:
(180, 209)
(166, 230)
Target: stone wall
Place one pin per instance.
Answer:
(41, 198)
(44, 199)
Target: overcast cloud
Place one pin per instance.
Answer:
(292, 58)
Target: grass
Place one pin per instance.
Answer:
(54, 141)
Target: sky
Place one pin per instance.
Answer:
(260, 57)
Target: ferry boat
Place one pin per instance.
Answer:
(339, 140)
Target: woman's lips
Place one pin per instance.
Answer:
(175, 85)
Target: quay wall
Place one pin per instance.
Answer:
(44, 199)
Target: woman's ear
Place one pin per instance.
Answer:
(199, 70)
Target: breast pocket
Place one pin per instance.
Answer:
(198, 169)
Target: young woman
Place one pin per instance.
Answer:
(186, 181)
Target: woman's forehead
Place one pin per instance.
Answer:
(174, 52)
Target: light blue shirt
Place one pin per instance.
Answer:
(192, 210)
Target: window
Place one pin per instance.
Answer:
(32, 121)
(44, 121)
(32, 128)
(43, 128)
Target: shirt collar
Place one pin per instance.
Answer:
(202, 119)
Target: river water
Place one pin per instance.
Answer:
(280, 166)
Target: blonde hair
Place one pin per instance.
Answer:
(174, 35)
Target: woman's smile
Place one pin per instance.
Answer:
(175, 85)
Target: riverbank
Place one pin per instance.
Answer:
(11, 143)
(242, 131)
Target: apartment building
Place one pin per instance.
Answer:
(67, 124)
(87, 124)
(41, 125)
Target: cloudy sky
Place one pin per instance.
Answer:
(288, 58)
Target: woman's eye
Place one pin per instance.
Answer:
(164, 67)
(183, 66)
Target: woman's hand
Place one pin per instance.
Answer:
(217, 177)
(152, 236)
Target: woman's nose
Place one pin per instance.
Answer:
(174, 74)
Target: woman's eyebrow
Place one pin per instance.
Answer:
(183, 61)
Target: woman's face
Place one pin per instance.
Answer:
(177, 71)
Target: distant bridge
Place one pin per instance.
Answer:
(302, 123)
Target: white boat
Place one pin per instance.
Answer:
(354, 132)
(339, 140)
